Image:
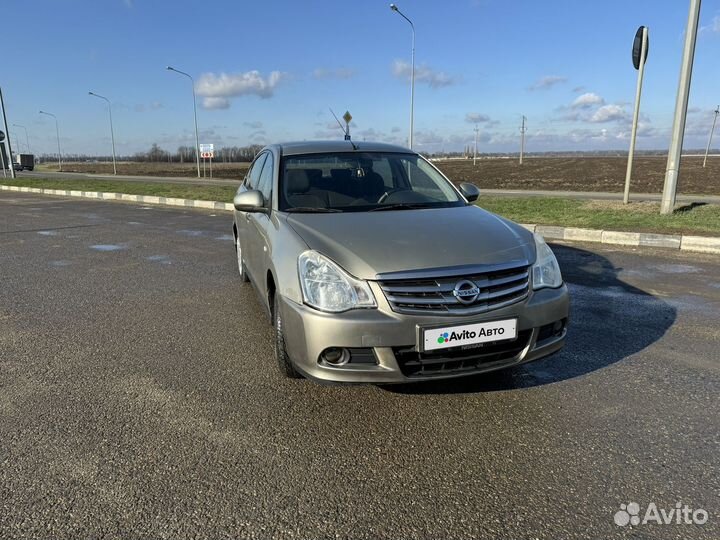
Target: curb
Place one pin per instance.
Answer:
(701, 244)
(145, 199)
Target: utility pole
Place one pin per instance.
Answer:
(523, 129)
(7, 136)
(717, 111)
(681, 104)
(643, 33)
(477, 130)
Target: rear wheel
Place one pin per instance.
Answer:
(241, 264)
(284, 363)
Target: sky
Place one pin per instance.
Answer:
(269, 71)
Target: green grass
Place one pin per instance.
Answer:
(205, 193)
(607, 215)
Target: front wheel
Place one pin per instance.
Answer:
(284, 363)
(241, 264)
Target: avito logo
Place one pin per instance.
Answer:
(447, 337)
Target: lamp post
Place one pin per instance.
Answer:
(412, 72)
(57, 132)
(197, 139)
(27, 139)
(681, 104)
(112, 132)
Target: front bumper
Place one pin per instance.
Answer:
(309, 332)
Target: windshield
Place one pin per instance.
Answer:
(361, 182)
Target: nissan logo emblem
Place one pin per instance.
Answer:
(466, 291)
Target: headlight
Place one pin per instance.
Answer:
(546, 271)
(328, 287)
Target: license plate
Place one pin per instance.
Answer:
(444, 337)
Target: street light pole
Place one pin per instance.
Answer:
(7, 137)
(681, 104)
(523, 129)
(27, 139)
(57, 132)
(112, 131)
(717, 111)
(412, 73)
(197, 139)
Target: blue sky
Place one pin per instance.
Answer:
(268, 71)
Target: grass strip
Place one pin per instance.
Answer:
(700, 219)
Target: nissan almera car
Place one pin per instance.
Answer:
(373, 267)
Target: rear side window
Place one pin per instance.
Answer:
(252, 180)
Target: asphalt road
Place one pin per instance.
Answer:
(139, 399)
(587, 195)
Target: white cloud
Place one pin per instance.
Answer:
(225, 85)
(216, 103)
(608, 113)
(337, 73)
(256, 124)
(587, 100)
(476, 118)
(547, 82)
(713, 27)
(423, 74)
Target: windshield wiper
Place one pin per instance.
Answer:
(401, 206)
(311, 209)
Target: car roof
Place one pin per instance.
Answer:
(319, 147)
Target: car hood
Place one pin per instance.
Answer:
(369, 243)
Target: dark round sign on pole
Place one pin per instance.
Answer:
(637, 48)
(2, 136)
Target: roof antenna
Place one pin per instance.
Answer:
(345, 130)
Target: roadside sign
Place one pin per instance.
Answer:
(637, 48)
(207, 147)
(207, 155)
(347, 117)
(2, 136)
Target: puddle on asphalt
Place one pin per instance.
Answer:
(134, 223)
(678, 268)
(226, 237)
(107, 247)
(162, 259)
(190, 232)
(58, 264)
(48, 233)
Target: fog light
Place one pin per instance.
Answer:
(336, 356)
(558, 325)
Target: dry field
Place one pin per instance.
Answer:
(571, 174)
(585, 174)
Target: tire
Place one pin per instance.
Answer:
(285, 365)
(241, 264)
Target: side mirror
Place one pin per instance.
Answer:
(469, 191)
(249, 201)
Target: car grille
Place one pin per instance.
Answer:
(459, 359)
(499, 286)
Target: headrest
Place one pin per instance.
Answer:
(296, 181)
